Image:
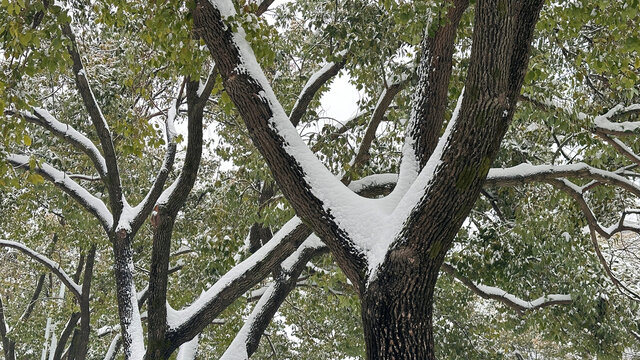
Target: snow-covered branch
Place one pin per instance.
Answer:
(188, 322)
(315, 82)
(53, 266)
(112, 178)
(114, 347)
(43, 118)
(246, 341)
(91, 203)
(514, 302)
(132, 218)
(604, 124)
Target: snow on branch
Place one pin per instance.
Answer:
(53, 266)
(43, 118)
(132, 218)
(114, 347)
(246, 341)
(91, 203)
(189, 350)
(315, 192)
(525, 173)
(603, 123)
(514, 302)
(99, 122)
(186, 323)
(315, 82)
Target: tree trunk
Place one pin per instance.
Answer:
(397, 310)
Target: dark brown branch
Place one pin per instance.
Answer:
(312, 87)
(8, 345)
(112, 178)
(434, 73)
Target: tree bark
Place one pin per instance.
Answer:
(397, 311)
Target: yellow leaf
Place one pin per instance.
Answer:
(27, 140)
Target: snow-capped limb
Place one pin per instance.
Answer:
(44, 119)
(114, 347)
(163, 218)
(514, 302)
(132, 218)
(129, 313)
(189, 350)
(525, 173)
(315, 82)
(380, 109)
(246, 341)
(195, 317)
(112, 178)
(314, 192)
(604, 124)
(53, 266)
(91, 203)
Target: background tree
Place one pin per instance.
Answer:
(510, 233)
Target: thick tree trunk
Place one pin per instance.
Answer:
(397, 310)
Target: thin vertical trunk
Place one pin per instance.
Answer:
(127, 304)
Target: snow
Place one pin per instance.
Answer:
(102, 119)
(370, 223)
(603, 121)
(189, 349)
(180, 317)
(491, 290)
(238, 348)
(315, 76)
(111, 352)
(57, 269)
(60, 178)
(68, 131)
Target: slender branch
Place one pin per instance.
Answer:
(315, 82)
(99, 122)
(92, 204)
(114, 347)
(376, 118)
(44, 119)
(53, 266)
(494, 293)
(247, 340)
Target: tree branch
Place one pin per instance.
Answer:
(92, 204)
(494, 293)
(99, 122)
(66, 132)
(53, 266)
(315, 82)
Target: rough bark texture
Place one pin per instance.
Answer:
(397, 302)
(397, 306)
(256, 111)
(434, 71)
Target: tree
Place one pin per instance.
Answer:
(391, 241)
